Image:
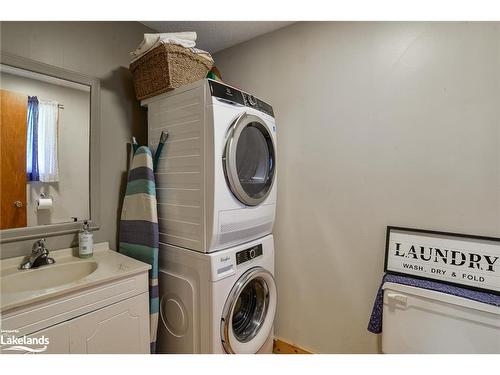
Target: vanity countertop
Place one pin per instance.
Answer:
(68, 274)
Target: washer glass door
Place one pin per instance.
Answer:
(249, 160)
(249, 312)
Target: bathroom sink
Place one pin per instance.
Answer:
(46, 277)
(69, 274)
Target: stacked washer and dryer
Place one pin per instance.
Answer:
(216, 192)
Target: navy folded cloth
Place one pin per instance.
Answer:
(375, 323)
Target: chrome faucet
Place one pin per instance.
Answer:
(39, 256)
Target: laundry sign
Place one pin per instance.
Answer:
(463, 260)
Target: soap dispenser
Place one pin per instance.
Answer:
(85, 242)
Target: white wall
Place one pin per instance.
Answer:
(71, 193)
(378, 124)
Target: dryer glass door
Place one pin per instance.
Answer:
(249, 311)
(249, 160)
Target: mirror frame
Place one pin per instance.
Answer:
(50, 230)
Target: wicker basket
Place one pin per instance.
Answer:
(165, 68)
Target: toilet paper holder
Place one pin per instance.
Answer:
(41, 201)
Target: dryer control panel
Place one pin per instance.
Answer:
(221, 91)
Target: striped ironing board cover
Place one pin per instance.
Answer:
(139, 226)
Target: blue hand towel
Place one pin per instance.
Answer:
(139, 226)
(375, 324)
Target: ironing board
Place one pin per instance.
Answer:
(139, 226)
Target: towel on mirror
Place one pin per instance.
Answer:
(139, 227)
(375, 323)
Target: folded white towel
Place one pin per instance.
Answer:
(199, 52)
(150, 41)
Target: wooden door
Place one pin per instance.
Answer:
(13, 130)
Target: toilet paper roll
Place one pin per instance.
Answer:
(44, 204)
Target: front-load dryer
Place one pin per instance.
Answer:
(222, 302)
(216, 177)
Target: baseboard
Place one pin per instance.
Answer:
(282, 347)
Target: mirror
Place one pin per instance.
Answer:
(47, 135)
(45, 141)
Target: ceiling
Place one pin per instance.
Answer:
(214, 36)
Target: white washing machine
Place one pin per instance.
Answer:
(221, 302)
(216, 179)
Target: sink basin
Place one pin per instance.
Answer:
(67, 276)
(46, 277)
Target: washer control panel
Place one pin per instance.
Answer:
(248, 254)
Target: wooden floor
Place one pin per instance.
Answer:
(282, 347)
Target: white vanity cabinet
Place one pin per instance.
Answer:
(58, 336)
(100, 316)
(122, 328)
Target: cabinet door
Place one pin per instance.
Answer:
(58, 336)
(121, 328)
(58, 342)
